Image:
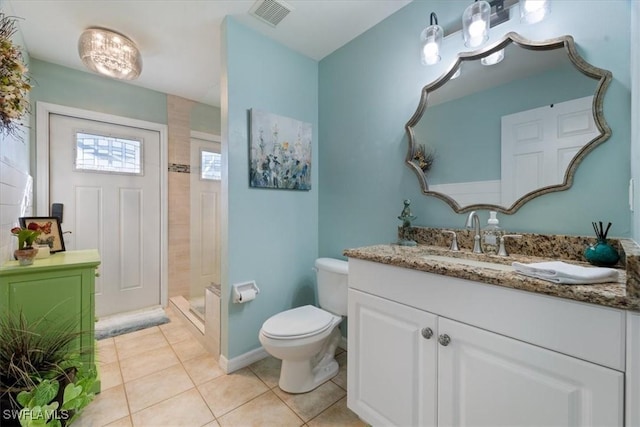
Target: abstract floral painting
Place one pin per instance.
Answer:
(280, 152)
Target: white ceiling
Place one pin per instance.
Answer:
(180, 39)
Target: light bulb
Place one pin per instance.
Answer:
(494, 58)
(532, 11)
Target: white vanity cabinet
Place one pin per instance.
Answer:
(429, 350)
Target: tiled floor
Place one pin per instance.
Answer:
(162, 376)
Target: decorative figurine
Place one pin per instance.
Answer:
(406, 218)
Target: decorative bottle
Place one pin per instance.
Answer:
(491, 234)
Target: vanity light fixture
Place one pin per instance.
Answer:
(532, 11)
(431, 41)
(109, 53)
(475, 23)
(494, 58)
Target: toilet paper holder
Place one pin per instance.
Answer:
(243, 292)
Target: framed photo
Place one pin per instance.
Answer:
(51, 232)
(279, 152)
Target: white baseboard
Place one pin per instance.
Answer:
(244, 360)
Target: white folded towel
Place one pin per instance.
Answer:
(561, 272)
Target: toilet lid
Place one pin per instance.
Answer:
(297, 323)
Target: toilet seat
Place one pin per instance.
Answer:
(300, 322)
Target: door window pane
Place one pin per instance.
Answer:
(109, 154)
(210, 165)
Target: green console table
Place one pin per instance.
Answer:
(59, 287)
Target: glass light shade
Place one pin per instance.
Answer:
(532, 11)
(475, 23)
(494, 58)
(109, 53)
(431, 41)
(457, 73)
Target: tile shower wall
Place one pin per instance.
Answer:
(178, 120)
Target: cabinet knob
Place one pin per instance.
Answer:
(444, 339)
(427, 332)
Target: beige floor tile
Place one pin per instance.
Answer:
(212, 424)
(106, 351)
(264, 410)
(186, 409)
(122, 422)
(128, 348)
(156, 387)
(108, 406)
(189, 349)
(337, 415)
(341, 378)
(135, 334)
(268, 370)
(148, 363)
(110, 375)
(203, 368)
(230, 391)
(175, 332)
(309, 405)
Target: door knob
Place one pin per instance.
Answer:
(427, 332)
(444, 339)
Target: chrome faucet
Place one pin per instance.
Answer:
(474, 222)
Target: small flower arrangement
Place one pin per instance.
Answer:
(26, 236)
(14, 82)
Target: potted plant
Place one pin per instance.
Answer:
(26, 237)
(43, 381)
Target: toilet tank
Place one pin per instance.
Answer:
(332, 285)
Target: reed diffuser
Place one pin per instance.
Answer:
(601, 253)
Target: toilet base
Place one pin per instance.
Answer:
(301, 376)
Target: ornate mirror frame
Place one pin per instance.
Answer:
(565, 42)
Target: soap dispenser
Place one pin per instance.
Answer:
(491, 234)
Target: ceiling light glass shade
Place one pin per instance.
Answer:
(431, 41)
(109, 53)
(493, 59)
(532, 11)
(475, 23)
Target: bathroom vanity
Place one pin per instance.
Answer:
(437, 343)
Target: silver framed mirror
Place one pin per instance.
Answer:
(496, 136)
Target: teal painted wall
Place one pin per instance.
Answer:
(271, 235)
(205, 118)
(371, 87)
(73, 88)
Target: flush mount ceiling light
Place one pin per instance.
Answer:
(109, 53)
(431, 40)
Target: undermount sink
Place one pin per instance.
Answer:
(469, 262)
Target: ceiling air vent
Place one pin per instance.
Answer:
(270, 11)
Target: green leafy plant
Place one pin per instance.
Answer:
(26, 236)
(41, 373)
(44, 405)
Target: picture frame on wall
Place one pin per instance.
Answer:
(51, 232)
(279, 152)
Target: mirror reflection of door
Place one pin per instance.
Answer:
(206, 174)
(538, 145)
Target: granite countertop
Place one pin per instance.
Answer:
(623, 294)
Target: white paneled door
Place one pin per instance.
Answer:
(108, 179)
(205, 214)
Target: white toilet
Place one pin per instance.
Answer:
(305, 338)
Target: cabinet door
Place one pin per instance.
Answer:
(486, 379)
(391, 365)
